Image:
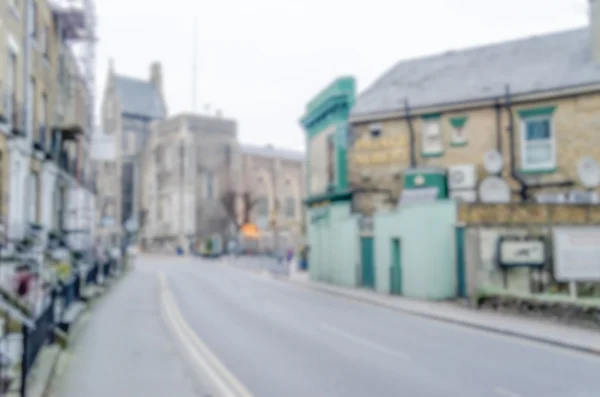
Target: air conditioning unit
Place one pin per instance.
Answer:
(462, 177)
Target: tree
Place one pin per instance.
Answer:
(231, 201)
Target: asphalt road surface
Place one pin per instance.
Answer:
(279, 339)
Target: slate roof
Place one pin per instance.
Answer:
(139, 97)
(272, 152)
(535, 64)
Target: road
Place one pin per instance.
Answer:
(279, 339)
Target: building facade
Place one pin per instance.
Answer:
(328, 195)
(45, 123)
(537, 122)
(189, 162)
(129, 106)
(275, 181)
(108, 229)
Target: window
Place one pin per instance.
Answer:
(11, 85)
(262, 207)
(330, 161)
(537, 144)
(34, 20)
(459, 135)
(289, 207)
(431, 140)
(209, 185)
(375, 130)
(32, 193)
(14, 7)
(43, 117)
(44, 41)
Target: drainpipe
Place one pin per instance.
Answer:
(511, 135)
(513, 168)
(411, 131)
(498, 108)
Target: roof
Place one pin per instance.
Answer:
(272, 152)
(139, 97)
(541, 63)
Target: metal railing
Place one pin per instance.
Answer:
(35, 338)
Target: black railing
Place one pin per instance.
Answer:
(35, 338)
(92, 275)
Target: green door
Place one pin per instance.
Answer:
(396, 268)
(461, 276)
(367, 262)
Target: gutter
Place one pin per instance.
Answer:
(478, 103)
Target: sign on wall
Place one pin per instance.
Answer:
(382, 150)
(521, 252)
(576, 253)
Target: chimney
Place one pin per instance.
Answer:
(595, 29)
(219, 113)
(156, 75)
(111, 66)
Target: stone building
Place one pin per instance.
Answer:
(189, 162)
(128, 108)
(45, 176)
(534, 101)
(275, 180)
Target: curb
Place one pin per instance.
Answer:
(77, 329)
(481, 327)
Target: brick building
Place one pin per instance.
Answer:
(534, 100)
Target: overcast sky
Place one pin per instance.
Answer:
(260, 61)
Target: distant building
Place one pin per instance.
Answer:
(275, 180)
(104, 162)
(128, 108)
(189, 162)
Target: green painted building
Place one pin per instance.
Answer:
(325, 123)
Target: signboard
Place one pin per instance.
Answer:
(576, 253)
(420, 195)
(383, 150)
(516, 252)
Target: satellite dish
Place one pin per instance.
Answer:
(493, 162)
(588, 172)
(494, 189)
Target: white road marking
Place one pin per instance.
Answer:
(363, 341)
(224, 380)
(505, 393)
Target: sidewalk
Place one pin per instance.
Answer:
(555, 334)
(125, 349)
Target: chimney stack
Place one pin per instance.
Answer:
(595, 29)
(156, 75)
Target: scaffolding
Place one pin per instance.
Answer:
(76, 24)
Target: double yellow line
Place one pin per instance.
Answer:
(200, 355)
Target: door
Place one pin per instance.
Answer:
(396, 268)
(461, 282)
(367, 262)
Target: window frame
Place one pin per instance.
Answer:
(541, 167)
(425, 123)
